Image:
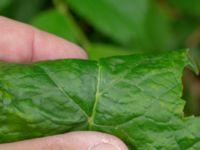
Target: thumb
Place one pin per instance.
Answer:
(22, 43)
(70, 141)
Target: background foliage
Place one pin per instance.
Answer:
(115, 27)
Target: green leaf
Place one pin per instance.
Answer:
(101, 50)
(137, 98)
(191, 8)
(134, 23)
(23, 10)
(4, 4)
(57, 23)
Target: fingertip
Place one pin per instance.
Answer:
(49, 47)
(87, 140)
(75, 51)
(22, 43)
(73, 141)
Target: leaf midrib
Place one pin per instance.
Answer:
(97, 96)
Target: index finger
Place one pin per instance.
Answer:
(22, 43)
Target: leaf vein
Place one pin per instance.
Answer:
(65, 93)
(97, 94)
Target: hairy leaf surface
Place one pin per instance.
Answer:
(137, 98)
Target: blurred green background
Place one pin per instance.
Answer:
(120, 27)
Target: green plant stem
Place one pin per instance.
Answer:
(82, 38)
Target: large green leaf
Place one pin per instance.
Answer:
(137, 98)
(135, 23)
(56, 22)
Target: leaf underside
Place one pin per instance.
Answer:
(137, 98)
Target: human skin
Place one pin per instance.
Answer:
(21, 43)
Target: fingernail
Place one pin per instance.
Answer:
(105, 146)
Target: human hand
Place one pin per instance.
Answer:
(22, 43)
